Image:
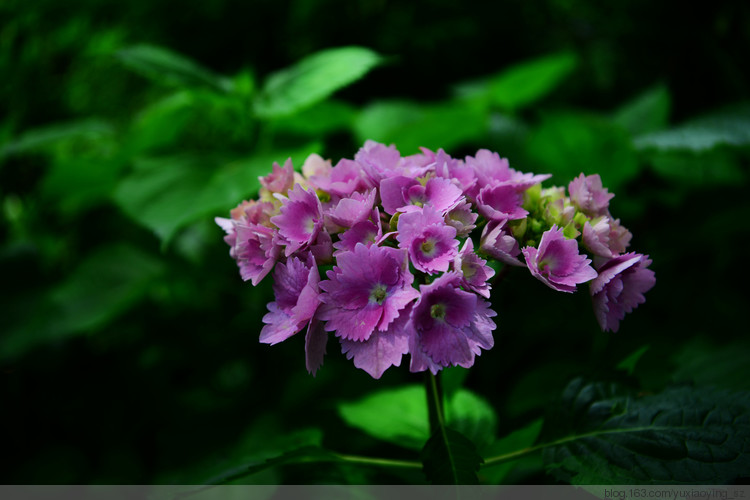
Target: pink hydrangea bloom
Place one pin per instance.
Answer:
(589, 196)
(430, 242)
(365, 291)
(462, 218)
(474, 270)
(501, 202)
(497, 242)
(342, 180)
(348, 211)
(557, 263)
(403, 194)
(300, 220)
(281, 179)
(252, 246)
(619, 288)
(382, 349)
(295, 287)
(450, 326)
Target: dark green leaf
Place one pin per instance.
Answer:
(44, 137)
(529, 81)
(682, 435)
(730, 127)
(717, 167)
(313, 79)
(703, 362)
(450, 458)
(628, 364)
(105, 285)
(410, 125)
(165, 66)
(567, 144)
(646, 113)
(502, 455)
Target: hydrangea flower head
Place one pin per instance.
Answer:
(451, 326)
(557, 263)
(619, 288)
(366, 291)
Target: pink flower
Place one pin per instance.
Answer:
(557, 263)
(430, 242)
(366, 291)
(619, 288)
(450, 326)
(588, 194)
(300, 220)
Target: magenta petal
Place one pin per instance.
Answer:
(619, 288)
(315, 346)
(392, 191)
(501, 202)
(383, 349)
(557, 263)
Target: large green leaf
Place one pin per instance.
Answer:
(313, 79)
(450, 458)
(165, 194)
(165, 66)
(524, 83)
(399, 416)
(410, 125)
(105, 285)
(648, 112)
(44, 137)
(567, 144)
(728, 127)
(682, 435)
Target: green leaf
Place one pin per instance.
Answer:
(472, 416)
(682, 435)
(529, 81)
(729, 127)
(399, 416)
(165, 194)
(313, 79)
(164, 66)
(450, 458)
(628, 364)
(323, 118)
(411, 125)
(704, 362)
(503, 453)
(567, 144)
(646, 113)
(715, 167)
(105, 285)
(48, 136)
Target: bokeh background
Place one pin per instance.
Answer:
(129, 346)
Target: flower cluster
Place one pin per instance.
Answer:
(403, 243)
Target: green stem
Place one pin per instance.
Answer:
(434, 390)
(383, 462)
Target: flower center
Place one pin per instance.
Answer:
(437, 311)
(378, 294)
(428, 246)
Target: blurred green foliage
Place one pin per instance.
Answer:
(128, 344)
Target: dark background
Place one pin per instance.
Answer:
(126, 358)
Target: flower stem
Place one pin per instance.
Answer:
(434, 390)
